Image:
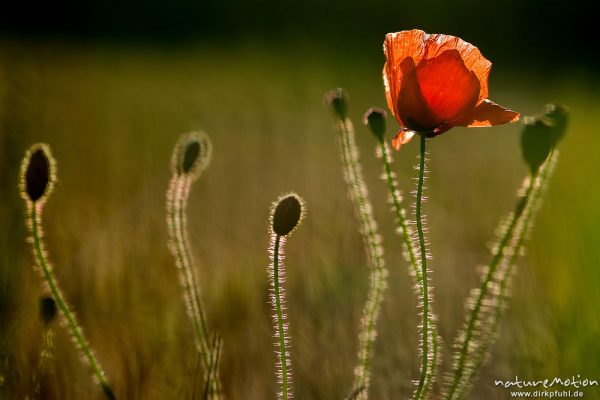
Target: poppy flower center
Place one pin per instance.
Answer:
(436, 91)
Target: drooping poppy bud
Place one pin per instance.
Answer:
(375, 119)
(192, 154)
(337, 99)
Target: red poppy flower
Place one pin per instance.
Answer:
(436, 82)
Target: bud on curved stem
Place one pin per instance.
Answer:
(38, 175)
(359, 194)
(191, 156)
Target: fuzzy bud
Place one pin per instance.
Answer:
(287, 213)
(375, 119)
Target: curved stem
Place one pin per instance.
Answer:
(531, 203)
(485, 286)
(377, 277)
(177, 198)
(422, 245)
(199, 318)
(74, 328)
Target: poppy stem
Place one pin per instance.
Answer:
(482, 323)
(34, 223)
(277, 275)
(178, 192)
(177, 222)
(410, 254)
(482, 293)
(423, 258)
(372, 240)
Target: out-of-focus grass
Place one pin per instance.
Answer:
(112, 116)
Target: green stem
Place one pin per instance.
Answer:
(422, 246)
(483, 291)
(199, 318)
(532, 202)
(400, 215)
(280, 322)
(74, 328)
(411, 253)
(177, 202)
(377, 279)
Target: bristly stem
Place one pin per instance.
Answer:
(177, 221)
(378, 274)
(423, 254)
(530, 203)
(35, 216)
(191, 156)
(286, 215)
(278, 297)
(410, 253)
(482, 293)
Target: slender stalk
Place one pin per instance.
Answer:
(217, 346)
(280, 328)
(378, 273)
(178, 231)
(277, 277)
(286, 214)
(177, 222)
(405, 231)
(410, 253)
(531, 204)
(486, 284)
(423, 258)
(35, 216)
(190, 157)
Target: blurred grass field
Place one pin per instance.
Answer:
(112, 114)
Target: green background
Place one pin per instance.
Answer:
(110, 86)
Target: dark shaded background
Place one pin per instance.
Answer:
(561, 33)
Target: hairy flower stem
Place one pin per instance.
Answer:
(405, 231)
(35, 217)
(191, 156)
(411, 256)
(510, 242)
(483, 291)
(423, 258)
(286, 215)
(531, 204)
(378, 273)
(177, 198)
(280, 320)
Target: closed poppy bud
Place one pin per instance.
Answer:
(338, 101)
(436, 82)
(287, 213)
(192, 154)
(38, 173)
(542, 133)
(375, 119)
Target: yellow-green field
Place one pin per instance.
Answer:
(112, 115)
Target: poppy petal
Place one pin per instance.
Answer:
(411, 104)
(487, 113)
(402, 137)
(448, 87)
(397, 47)
(473, 60)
